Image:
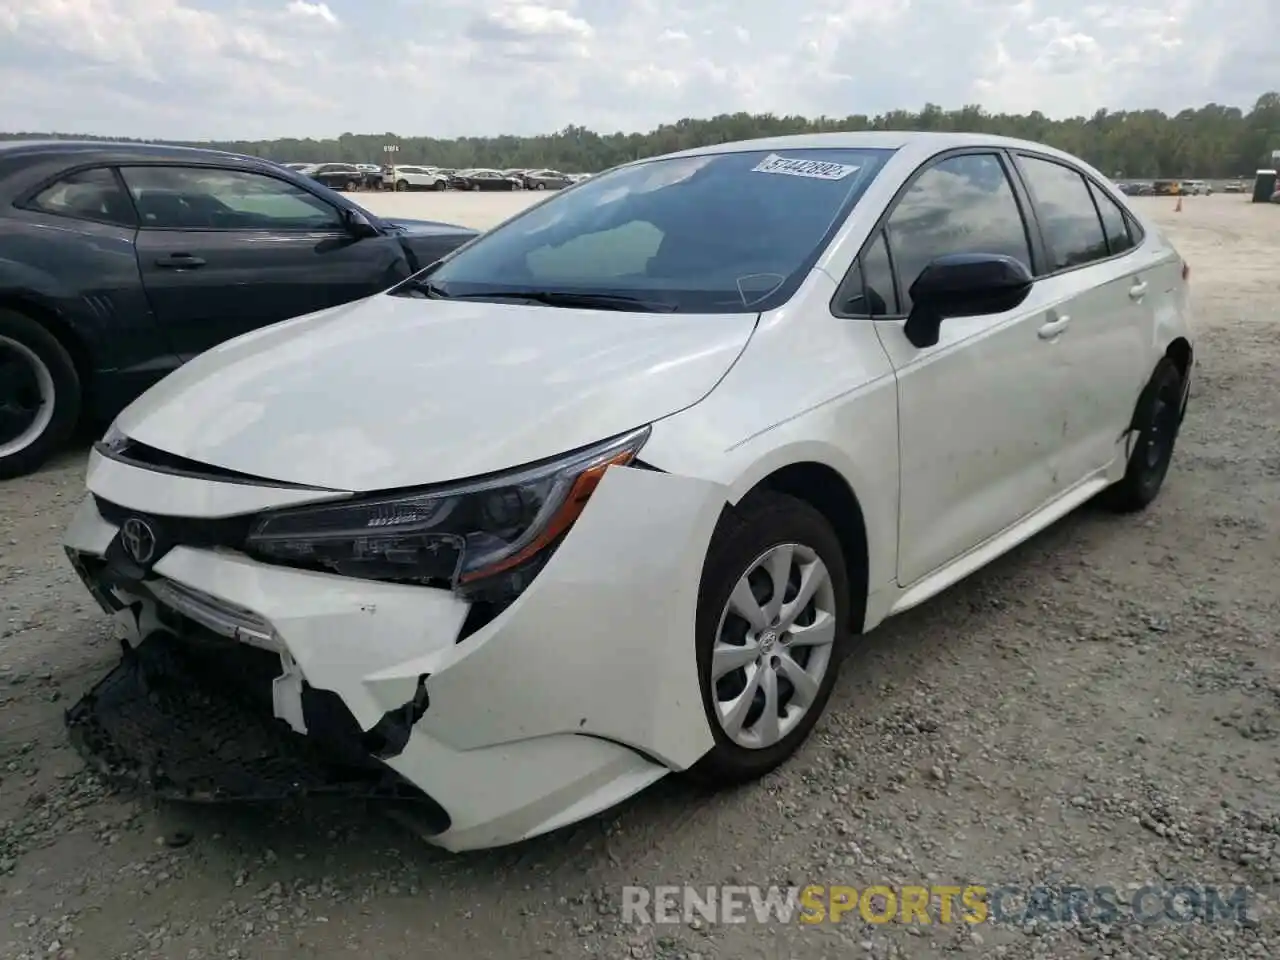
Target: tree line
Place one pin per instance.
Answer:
(1214, 141)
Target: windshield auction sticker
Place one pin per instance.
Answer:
(814, 169)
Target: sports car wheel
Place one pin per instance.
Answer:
(440, 184)
(39, 394)
(773, 601)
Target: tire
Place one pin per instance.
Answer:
(45, 368)
(753, 530)
(351, 186)
(539, 186)
(402, 185)
(1157, 420)
(440, 185)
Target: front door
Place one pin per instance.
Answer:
(976, 414)
(223, 252)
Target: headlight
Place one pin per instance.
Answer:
(466, 535)
(113, 439)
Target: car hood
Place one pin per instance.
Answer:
(430, 228)
(397, 391)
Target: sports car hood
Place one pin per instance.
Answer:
(395, 391)
(430, 228)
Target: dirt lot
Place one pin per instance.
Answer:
(1099, 707)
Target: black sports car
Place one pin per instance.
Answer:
(484, 180)
(344, 176)
(118, 262)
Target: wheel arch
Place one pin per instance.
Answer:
(827, 491)
(63, 331)
(1181, 353)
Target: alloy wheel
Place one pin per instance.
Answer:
(773, 646)
(26, 397)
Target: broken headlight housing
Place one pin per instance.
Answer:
(484, 538)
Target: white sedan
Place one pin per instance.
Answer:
(605, 494)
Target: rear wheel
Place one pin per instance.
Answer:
(774, 599)
(1157, 420)
(351, 186)
(539, 186)
(402, 184)
(440, 184)
(40, 394)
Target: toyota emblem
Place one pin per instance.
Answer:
(139, 540)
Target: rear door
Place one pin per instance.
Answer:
(225, 251)
(1101, 282)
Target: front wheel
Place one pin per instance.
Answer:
(441, 184)
(402, 184)
(40, 394)
(773, 601)
(539, 186)
(1157, 420)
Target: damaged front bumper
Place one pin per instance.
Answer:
(246, 680)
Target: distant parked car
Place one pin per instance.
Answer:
(119, 262)
(343, 176)
(547, 180)
(1196, 188)
(483, 180)
(1235, 186)
(416, 178)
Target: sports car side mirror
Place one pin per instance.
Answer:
(358, 225)
(964, 285)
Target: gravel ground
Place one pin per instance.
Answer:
(1099, 707)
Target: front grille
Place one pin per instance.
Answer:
(200, 532)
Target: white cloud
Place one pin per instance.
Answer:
(302, 8)
(268, 68)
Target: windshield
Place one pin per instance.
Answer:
(717, 233)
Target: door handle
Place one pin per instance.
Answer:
(1137, 291)
(179, 261)
(1054, 328)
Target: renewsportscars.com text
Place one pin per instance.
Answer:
(935, 903)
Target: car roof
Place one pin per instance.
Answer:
(922, 142)
(152, 151)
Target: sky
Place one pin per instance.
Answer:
(262, 69)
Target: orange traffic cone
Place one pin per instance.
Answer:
(1178, 208)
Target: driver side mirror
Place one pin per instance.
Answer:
(357, 224)
(964, 285)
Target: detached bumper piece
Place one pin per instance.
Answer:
(185, 720)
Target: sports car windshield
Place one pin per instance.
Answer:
(719, 233)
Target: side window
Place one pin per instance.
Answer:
(1114, 223)
(1072, 230)
(868, 289)
(962, 204)
(88, 195)
(877, 278)
(201, 198)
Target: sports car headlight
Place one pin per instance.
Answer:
(460, 535)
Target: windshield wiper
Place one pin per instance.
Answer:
(566, 298)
